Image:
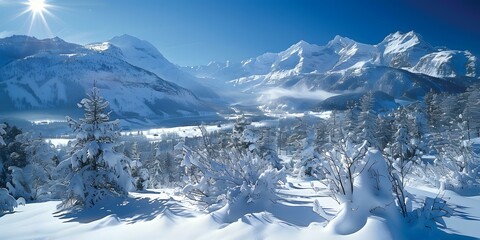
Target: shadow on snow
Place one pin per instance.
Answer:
(129, 210)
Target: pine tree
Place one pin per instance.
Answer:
(12, 154)
(7, 202)
(432, 102)
(2, 132)
(34, 180)
(98, 170)
(139, 173)
(308, 161)
(350, 121)
(471, 113)
(401, 156)
(367, 121)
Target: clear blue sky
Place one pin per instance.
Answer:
(192, 32)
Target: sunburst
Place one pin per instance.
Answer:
(37, 10)
(37, 6)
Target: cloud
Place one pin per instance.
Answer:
(299, 93)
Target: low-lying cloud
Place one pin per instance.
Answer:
(302, 93)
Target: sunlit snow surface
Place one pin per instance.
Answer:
(162, 214)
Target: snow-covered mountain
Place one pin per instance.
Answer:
(53, 75)
(402, 65)
(142, 54)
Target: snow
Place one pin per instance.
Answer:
(448, 63)
(398, 42)
(163, 214)
(186, 131)
(57, 79)
(302, 208)
(342, 66)
(143, 54)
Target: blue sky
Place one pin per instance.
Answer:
(192, 32)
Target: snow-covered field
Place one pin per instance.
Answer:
(162, 214)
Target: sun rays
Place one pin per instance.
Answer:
(37, 6)
(37, 11)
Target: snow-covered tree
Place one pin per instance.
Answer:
(471, 112)
(139, 173)
(367, 127)
(386, 130)
(243, 136)
(12, 154)
(230, 176)
(267, 146)
(432, 102)
(2, 132)
(35, 180)
(308, 161)
(459, 160)
(7, 202)
(370, 195)
(401, 157)
(341, 164)
(350, 122)
(98, 170)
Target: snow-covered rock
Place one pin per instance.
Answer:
(449, 63)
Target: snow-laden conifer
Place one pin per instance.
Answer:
(98, 171)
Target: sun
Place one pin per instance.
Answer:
(38, 11)
(37, 6)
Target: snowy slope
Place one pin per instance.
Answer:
(449, 63)
(142, 54)
(160, 214)
(403, 50)
(52, 79)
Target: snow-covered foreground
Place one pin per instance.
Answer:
(161, 214)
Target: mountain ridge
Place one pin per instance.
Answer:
(54, 74)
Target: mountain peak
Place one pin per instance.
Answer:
(135, 47)
(401, 42)
(300, 45)
(340, 41)
(410, 37)
(126, 39)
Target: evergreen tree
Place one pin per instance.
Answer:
(238, 140)
(401, 156)
(367, 121)
(12, 154)
(34, 181)
(434, 113)
(139, 173)
(7, 202)
(385, 130)
(350, 121)
(308, 161)
(98, 170)
(471, 112)
(267, 147)
(2, 132)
